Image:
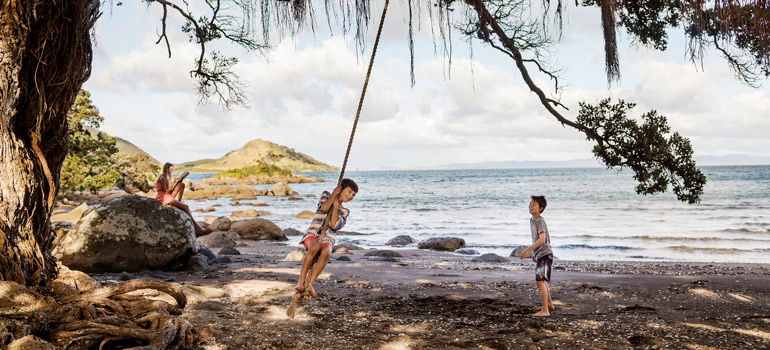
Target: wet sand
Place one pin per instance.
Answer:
(434, 300)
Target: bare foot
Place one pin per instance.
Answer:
(541, 313)
(300, 286)
(312, 292)
(551, 307)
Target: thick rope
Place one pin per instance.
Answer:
(305, 293)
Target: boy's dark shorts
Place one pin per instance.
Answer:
(543, 268)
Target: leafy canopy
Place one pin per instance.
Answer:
(93, 162)
(87, 165)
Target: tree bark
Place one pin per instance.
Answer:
(45, 56)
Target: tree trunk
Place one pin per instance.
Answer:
(45, 56)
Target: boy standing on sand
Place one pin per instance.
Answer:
(338, 215)
(541, 253)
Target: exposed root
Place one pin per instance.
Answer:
(109, 317)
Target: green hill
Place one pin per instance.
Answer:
(253, 152)
(125, 147)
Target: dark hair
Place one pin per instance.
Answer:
(540, 201)
(165, 168)
(349, 183)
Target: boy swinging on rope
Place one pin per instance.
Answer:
(330, 204)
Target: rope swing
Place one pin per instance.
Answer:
(305, 293)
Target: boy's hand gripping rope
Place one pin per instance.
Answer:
(305, 293)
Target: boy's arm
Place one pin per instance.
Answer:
(327, 204)
(334, 214)
(539, 242)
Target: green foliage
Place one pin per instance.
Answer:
(739, 30)
(138, 172)
(261, 169)
(93, 162)
(657, 157)
(88, 164)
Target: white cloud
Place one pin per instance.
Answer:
(305, 97)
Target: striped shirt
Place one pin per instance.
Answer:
(318, 220)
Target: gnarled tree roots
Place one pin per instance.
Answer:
(106, 318)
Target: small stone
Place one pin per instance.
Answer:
(205, 251)
(467, 251)
(209, 305)
(343, 258)
(305, 214)
(295, 255)
(197, 262)
(220, 260)
(125, 276)
(384, 253)
(229, 251)
(401, 240)
(516, 253)
(490, 257)
(347, 246)
(292, 232)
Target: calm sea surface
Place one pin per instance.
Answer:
(592, 214)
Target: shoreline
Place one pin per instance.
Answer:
(436, 300)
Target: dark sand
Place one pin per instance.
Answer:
(432, 300)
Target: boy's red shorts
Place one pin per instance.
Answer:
(309, 238)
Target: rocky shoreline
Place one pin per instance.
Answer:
(436, 300)
(241, 283)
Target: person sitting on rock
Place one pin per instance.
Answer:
(331, 204)
(167, 195)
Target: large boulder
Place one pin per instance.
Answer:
(442, 243)
(516, 253)
(129, 233)
(245, 192)
(490, 257)
(224, 191)
(292, 232)
(347, 246)
(258, 229)
(216, 239)
(220, 224)
(282, 189)
(305, 214)
(401, 240)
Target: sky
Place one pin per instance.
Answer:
(303, 93)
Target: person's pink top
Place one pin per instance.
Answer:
(163, 197)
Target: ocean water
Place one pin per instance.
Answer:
(592, 214)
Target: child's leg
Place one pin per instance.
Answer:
(326, 252)
(310, 254)
(542, 287)
(550, 302)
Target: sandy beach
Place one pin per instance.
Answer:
(435, 300)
